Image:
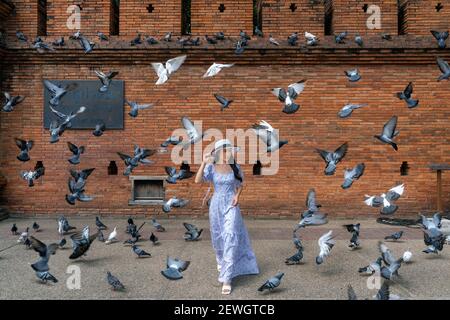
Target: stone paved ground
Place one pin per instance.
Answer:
(427, 277)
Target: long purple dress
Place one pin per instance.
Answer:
(229, 236)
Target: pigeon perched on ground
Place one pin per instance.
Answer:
(224, 102)
(45, 252)
(58, 91)
(441, 38)
(219, 35)
(64, 226)
(41, 46)
(36, 227)
(100, 225)
(354, 229)
(100, 236)
(99, 129)
(59, 42)
(215, 68)
(67, 119)
(407, 256)
(135, 107)
(192, 232)
(298, 256)
(192, 132)
(433, 236)
(76, 192)
(353, 75)
(101, 36)
(326, 243)
(76, 35)
(273, 41)
(210, 40)
(154, 239)
(269, 136)
(386, 200)
(115, 283)
(131, 226)
(351, 175)
(351, 293)
(395, 236)
(389, 133)
(21, 36)
(173, 140)
(347, 110)
(258, 32)
(158, 226)
(14, 229)
(311, 216)
(87, 45)
(139, 156)
(373, 267)
(150, 40)
(105, 79)
(174, 202)
(311, 39)
(174, 269)
(25, 147)
(112, 236)
(174, 175)
(81, 242)
(136, 41)
(406, 95)
(32, 175)
(359, 40)
(292, 39)
(240, 47)
(272, 283)
(77, 152)
(390, 270)
(139, 252)
(445, 69)
(168, 37)
(386, 36)
(340, 38)
(164, 71)
(62, 243)
(46, 276)
(288, 96)
(24, 236)
(11, 101)
(333, 158)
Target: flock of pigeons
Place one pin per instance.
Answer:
(386, 266)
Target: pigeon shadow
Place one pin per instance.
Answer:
(93, 261)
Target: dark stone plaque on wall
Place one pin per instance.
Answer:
(104, 107)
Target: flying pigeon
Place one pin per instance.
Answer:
(135, 107)
(154, 239)
(340, 38)
(21, 36)
(347, 110)
(11, 102)
(351, 175)
(406, 95)
(273, 41)
(353, 75)
(164, 71)
(105, 79)
(31, 176)
(100, 225)
(389, 133)
(25, 147)
(80, 176)
(433, 236)
(66, 119)
(269, 136)
(99, 129)
(77, 152)
(441, 38)
(390, 270)
(76, 192)
(136, 41)
(445, 69)
(139, 252)
(311, 39)
(112, 236)
(288, 96)
(174, 202)
(326, 243)
(311, 216)
(272, 283)
(173, 140)
(115, 283)
(81, 242)
(139, 156)
(64, 226)
(87, 45)
(56, 130)
(14, 229)
(174, 176)
(58, 91)
(359, 40)
(36, 227)
(192, 232)
(101, 36)
(193, 134)
(386, 200)
(354, 229)
(224, 102)
(215, 68)
(333, 158)
(45, 252)
(373, 267)
(175, 267)
(395, 236)
(292, 39)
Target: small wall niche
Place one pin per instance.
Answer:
(404, 168)
(112, 169)
(257, 168)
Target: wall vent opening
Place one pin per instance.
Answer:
(439, 7)
(222, 7)
(112, 168)
(257, 168)
(404, 168)
(257, 14)
(328, 19)
(147, 190)
(185, 17)
(114, 20)
(402, 17)
(293, 7)
(42, 18)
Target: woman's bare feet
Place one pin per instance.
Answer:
(226, 288)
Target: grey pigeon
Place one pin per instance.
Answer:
(359, 41)
(135, 107)
(298, 256)
(292, 39)
(139, 156)
(168, 37)
(173, 140)
(386, 200)
(36, 227)
(105, 79)
(210, 40)
(80, 176)
(174, 175)
(433, 236)
(41, 267)
(64, 119)
(100, 225)
(389, 133)
(59, 42)
(41, 46)
(333, 158)
(383, 293)
(131, 226)
(406, 95)
(62, 243)
(56, 130)
(174, 202)
(139, 252)
(25, 147)
(354, 229)
(239, 47)
(46, 276)
(154, 239)
(76, 151)
(224, 102)
(272, 283)
(347, 110)
(158, 226)
(99, 129)
(351, 175)
(353, 75)
(150, 40)
(174, 269)
(386, 36)
(340, 38)
(193, 134)
(87, 45)
(58, 91)
(192, 232)
(395, 236)
(32, 175)
(81, 242)
(258, 32)
(114, 282)
(445, 69)
(326, 243)
(100, 236)
(269, 136)
(64, 226)
(76, 192)
(21, 36)
(441, 38)
(373, 267)
(351, 293)
(11, 102)
(101, 36)
(390, 270)
(311, 216)
(273, 41)
(244, 35)
(136, 41)
(76, 35)
(288, 96)
(219, 35)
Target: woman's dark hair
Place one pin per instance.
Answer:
(236, 171)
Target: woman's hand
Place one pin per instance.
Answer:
(235, 201)
(208, 158)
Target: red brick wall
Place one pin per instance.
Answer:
(25, 19)
(279, 19)
(207, 19)
(423, 17)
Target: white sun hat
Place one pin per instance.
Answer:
(224, 144)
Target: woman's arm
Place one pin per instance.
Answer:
(207, 158)
(237, 195)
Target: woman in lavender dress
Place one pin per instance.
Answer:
(229, 236)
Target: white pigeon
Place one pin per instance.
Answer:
(407, 255)
(112, 236)
(310, 39)
(215, 69)
(170, 67)
(326, 243)
(23, 237)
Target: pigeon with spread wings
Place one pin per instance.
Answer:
(105, 79)
(58, 91)
(269, 136)
(333, 158)
(164, 71)
(288, 96)
(11, 101)
(81, 242)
